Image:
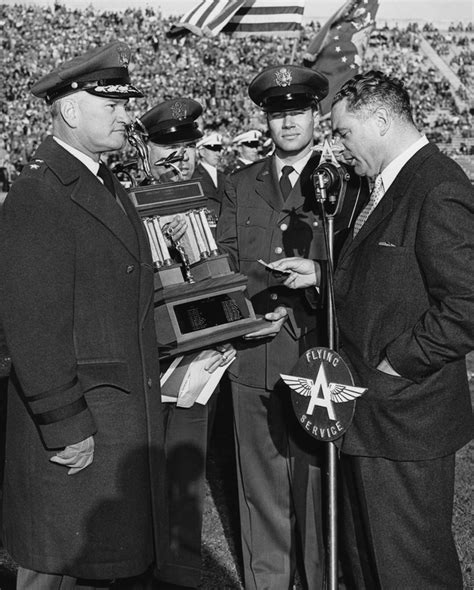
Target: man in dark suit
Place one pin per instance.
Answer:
(269, 211)
(404, 297)
(84, 486)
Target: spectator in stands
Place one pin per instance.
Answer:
(33, 37)
(247, 145)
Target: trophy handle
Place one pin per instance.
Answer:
(137, 136)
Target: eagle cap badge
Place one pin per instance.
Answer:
(323, 393)
(123, 53)
(283, 77)
(178, 110)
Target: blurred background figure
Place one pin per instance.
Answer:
(210, 149)
(247, 147)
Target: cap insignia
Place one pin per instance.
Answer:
(178, 110)
(283, 77)
(123, 55)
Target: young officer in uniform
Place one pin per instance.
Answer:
(172, 128)
(268, 211)
(84, 497)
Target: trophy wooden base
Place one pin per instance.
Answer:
(202, 314)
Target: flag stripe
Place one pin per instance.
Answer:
(225, 15)
(268, 10)
(254, 4)
(262, 17)
(194, 15)
(209, 11)
(261, 27)
(262, 20)
(245, 16)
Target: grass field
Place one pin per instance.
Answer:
(221, 558)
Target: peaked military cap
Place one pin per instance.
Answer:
(247, 137)
(102, 71)
(173, 121)
(213, 139)
(282, 88)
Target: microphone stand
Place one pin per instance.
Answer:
(328, 176)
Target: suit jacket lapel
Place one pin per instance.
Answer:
(398, 188)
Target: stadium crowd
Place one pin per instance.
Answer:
(214, 71)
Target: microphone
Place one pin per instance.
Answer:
(330, 183)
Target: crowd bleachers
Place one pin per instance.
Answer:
(214, 71)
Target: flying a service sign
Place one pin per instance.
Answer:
(323, 393)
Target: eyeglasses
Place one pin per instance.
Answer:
(251, 144)
(214, 148)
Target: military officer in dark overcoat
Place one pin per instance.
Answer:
(83, 500)
(269, 211)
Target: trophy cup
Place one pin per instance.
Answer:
(199, 301)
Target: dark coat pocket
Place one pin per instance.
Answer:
(382, 385)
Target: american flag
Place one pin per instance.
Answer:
(244, 17)
(337, 50)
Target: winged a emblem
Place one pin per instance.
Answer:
(339, 392)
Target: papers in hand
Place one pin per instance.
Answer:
(277, 273)
(186, 381)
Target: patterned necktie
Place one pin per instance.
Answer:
(285, 184)
(106, 176)
(375, 196)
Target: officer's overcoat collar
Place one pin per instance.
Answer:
(88, 192)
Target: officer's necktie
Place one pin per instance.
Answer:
(377, 193)
(285, 184)
(105, 174)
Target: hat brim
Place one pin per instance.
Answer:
(288, 102)
(176, 135)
